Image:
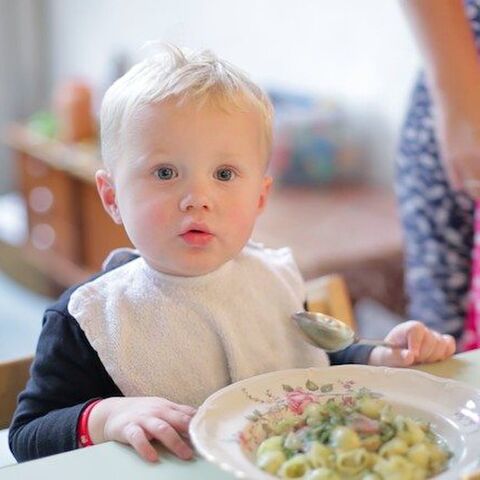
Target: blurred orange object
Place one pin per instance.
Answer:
(73, 108)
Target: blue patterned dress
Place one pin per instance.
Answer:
(437, 222)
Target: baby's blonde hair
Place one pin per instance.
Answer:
(183, 75)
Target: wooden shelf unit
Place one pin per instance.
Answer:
(69, 233)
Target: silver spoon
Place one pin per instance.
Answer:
(329, 333)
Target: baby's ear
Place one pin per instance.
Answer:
(266, 187)
(106, 190)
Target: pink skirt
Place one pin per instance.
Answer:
(471, 336)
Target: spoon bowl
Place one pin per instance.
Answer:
(329, 333)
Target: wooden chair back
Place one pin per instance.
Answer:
(13, 378)
(329, 295)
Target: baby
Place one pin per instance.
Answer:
(128, 355)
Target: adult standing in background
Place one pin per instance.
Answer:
(438, 165)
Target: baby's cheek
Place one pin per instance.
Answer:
(156, 215)
(149, 220)
(243, 220)
(157, 208)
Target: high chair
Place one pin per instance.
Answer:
(329, 295)
(13, 377)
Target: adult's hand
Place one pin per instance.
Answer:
(458, 130)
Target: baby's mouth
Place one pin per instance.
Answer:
(196, 237)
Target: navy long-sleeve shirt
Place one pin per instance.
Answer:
(66, 375)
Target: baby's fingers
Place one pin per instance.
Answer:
(400, 357)
(391, 357)
(187, 409)
(451, 345)
(179, 420)
(168, 436)
(417, 335)
(444, 348)
(136, 437)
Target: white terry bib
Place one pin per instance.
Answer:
(183, 338)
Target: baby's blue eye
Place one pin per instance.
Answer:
(165, 173)
(224, 174)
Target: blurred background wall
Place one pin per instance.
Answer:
(359, 53)
(25, 68)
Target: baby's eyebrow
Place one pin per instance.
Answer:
(227, 156)
(157, 151)
(151, 157)
(142, 161)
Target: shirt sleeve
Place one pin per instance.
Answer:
(352, 354)
(65, 375)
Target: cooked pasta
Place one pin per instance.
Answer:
(361, 438)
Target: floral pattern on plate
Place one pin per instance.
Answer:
(290, 403)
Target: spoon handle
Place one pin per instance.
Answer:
(377, 343)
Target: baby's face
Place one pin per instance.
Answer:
(191, 184)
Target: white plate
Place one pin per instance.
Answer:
(452, 407)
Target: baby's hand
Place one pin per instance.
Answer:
(421, 345)
(139, 420)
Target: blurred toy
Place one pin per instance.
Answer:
(73, 110)
(43, 123)
(312, 143)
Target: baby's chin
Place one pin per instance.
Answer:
(187, 269)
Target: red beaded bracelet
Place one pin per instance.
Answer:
(83, 435)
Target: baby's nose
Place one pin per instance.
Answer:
(195, 201)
